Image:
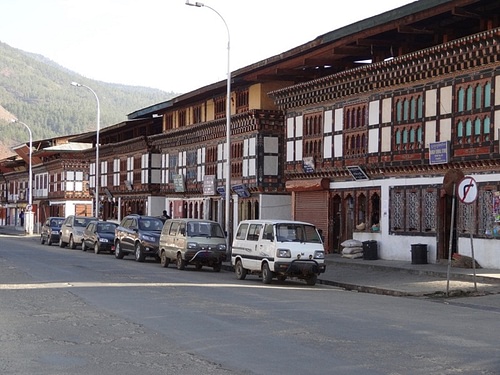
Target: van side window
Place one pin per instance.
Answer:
(166, 228)
(173, 228)
(182, 229)
(242, 232)
(253, 232)
(268, 232)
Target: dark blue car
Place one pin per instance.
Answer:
(50, 230)
(99, 236)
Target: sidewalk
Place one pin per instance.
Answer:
(13, 230)
(402, 278)
(389, 277)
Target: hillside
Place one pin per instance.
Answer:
(38, 92)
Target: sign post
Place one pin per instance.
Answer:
(467, 192)
(449, 184)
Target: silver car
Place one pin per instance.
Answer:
(72, 230)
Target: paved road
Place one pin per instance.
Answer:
(395, 278)
(68, 312)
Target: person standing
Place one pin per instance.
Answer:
(21, 218)
(166, 215)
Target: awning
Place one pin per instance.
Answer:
(308, 185)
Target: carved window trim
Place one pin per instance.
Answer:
(413, 210)
(312, 145)
(242, 101)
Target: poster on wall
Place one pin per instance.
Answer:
(496, 206)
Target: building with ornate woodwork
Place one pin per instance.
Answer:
(358, 158)
(354, 131)
(60, 181)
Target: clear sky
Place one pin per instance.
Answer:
(167, 45)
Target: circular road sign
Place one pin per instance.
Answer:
(467, 190)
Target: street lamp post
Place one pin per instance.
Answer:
(228, 119)
(29, 209)
(96, 210)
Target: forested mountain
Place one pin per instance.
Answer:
(38, 92)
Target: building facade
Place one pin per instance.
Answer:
(363, 131)
(371, 131)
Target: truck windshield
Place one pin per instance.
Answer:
(297, 233)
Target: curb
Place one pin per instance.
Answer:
(353, 287)
(413, 271)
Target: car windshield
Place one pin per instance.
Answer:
(106, 227)
(297, 233)
(204, 229)
(56, 222)
(152, 224)
(82, 222)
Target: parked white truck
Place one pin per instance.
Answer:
(278, 249)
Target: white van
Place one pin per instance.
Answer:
(192, 241)
(278, 248)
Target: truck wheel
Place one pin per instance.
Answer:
(181, 263)
(267, 275)
(164, 259)
(139, 253)
(96, 248)
(42, 240)
(118, 251)
(240, 272)
(311, 280)
(61, 243)
(84, 248)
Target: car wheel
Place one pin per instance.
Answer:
(139, 253)
(198, 266)
(267, 275)
(84, 247)
(42, 240)
(49, 241)
(118, 251)
(62, 243)
(72, 243)
(96, 248)
(311, 280)
(164, 259)
(181, 263)
(241, 272)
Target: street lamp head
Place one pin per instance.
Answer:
(197, 4)
(76, 84)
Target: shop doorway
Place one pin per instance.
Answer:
(335, 223)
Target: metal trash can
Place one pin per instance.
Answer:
(370, 250)
(418, 253)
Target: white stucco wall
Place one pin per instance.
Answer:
(156, 205)
(398, 247)
(276, 207)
